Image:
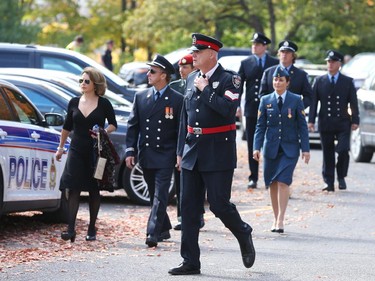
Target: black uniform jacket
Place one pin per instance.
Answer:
(333, 113)
(299, 83)
(153, 128)
(215, 106)
(251, 73)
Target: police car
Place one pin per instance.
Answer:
(29, 174)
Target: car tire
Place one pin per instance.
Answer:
(136, 187)
(358, 151)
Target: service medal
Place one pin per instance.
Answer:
(289, 113)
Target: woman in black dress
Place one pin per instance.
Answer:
(84, 112)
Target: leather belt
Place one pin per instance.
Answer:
(213, 130)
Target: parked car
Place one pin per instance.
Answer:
(135, 73)
(29, 174)
(359, 68)
(362, 144)
(34, 56)
(69, 83)
(50, 98)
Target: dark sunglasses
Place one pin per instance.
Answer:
(153, 71)
(87, 81)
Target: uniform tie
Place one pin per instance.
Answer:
(332, 81)
(260, 63)
(157, 96)
(280, 103)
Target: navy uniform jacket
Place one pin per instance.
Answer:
(215, 106)
(287, 128)
(179, 86)
(333, 113)
(299, 83)
(153, 128)
(252, 75)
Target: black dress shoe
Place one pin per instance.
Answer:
(279, 230)
(177, 226)
(342, 183)
(151, 241)
(67, 235)
(252, 184)
(164, 236)
(273, 229)
(329, 188)
(248, 252)
(184, 269)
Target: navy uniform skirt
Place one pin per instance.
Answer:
(279, 169)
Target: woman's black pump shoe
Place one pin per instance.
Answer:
(91, 236)
(66, 235)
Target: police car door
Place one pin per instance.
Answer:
(27, 151)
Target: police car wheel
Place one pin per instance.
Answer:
(136, 187)
(358, 151)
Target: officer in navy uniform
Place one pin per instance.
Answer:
(335, 92)
(152, 132)
(251, 71)
(185, 65)
(299, 83)
(207, 153)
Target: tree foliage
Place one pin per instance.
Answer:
(163, 26)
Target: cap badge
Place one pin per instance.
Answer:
(183, 61)
(286, 44)
(331, 54)
(194, 40)
(256, 35)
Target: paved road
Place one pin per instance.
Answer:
(328, 237)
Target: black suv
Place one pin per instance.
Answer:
(33, 56)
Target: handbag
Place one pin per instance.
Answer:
(100, 164)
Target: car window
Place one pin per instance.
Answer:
(14, 59)
(25, 111)
(53, 63)
(44, 104)
(5, 113)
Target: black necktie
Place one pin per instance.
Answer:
(332, 81)
(157, 96)
(280, 103)
(260, 63)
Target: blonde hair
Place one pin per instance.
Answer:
(100, 84)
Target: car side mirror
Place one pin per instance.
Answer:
(54, 119)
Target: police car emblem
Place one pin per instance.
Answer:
(236, 80)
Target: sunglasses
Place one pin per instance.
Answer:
(153, 71)
(87, 81)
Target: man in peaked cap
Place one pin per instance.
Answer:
(335, 92)
(152, 134)
(206, 153)
(185, 67)
(251, 71)
(299, 83)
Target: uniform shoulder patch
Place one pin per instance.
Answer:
(236, 80)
